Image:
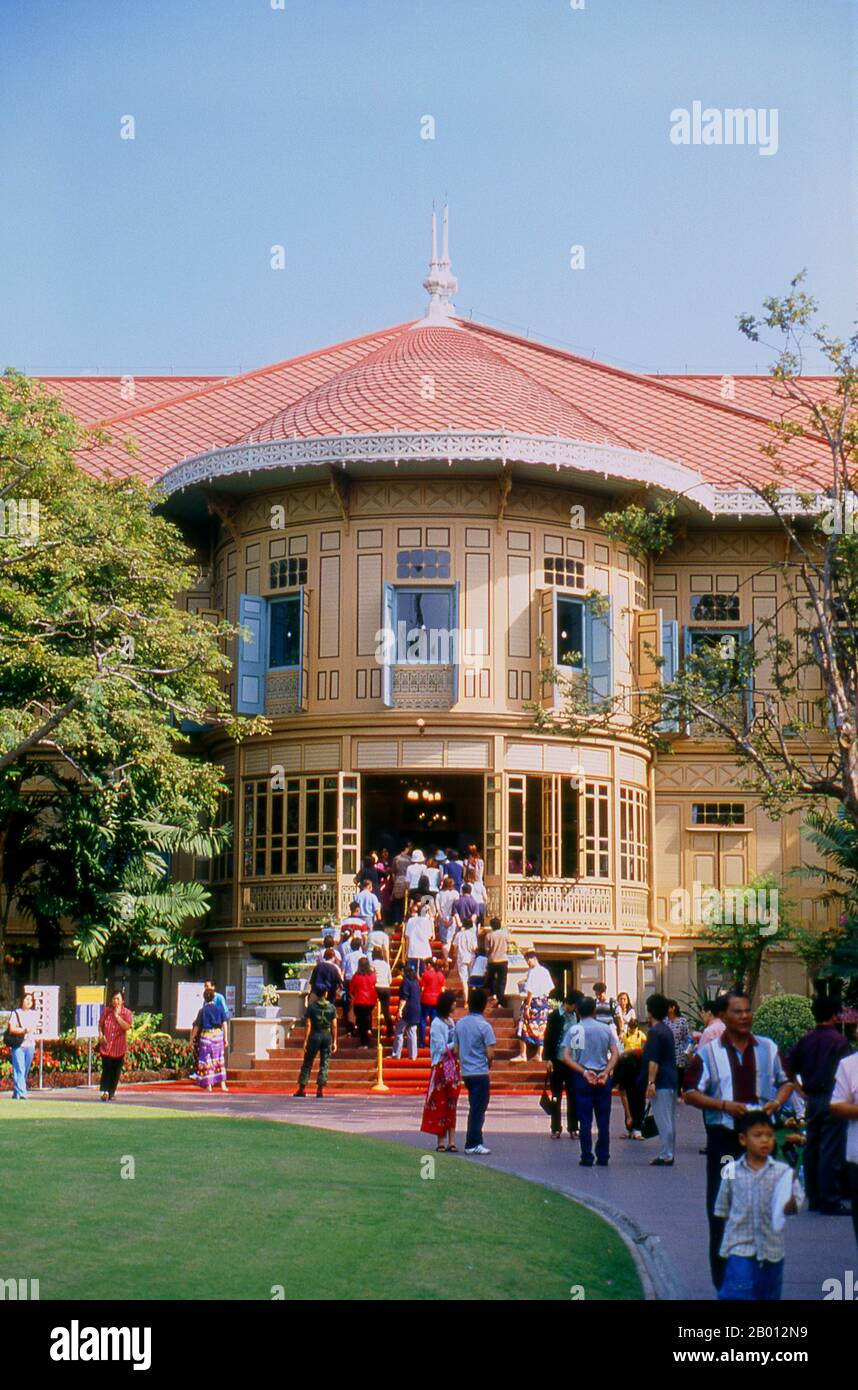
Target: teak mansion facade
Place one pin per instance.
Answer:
(407, 526)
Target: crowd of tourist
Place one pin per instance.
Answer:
(594, 1045)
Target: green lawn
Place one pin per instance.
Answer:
(229, 1208)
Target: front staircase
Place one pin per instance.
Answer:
(353, 1069)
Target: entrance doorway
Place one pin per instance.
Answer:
(434, 812)
(572, 972)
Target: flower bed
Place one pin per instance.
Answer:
(156, 1058)
(59, 1080)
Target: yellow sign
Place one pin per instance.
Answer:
(89, 994)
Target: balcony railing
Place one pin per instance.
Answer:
(557, 903)
(422, 687)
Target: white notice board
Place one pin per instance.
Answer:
(188, 1004)
(47, 1001)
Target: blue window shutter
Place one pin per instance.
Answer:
(598, 652)
(454, 626)
(303, 648)
(252, 655)
(670, 651)
(388, 645)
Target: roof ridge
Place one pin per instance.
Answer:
(593, 419)
(623, 372)
(219, 383)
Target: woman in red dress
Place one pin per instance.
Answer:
(442, 1097)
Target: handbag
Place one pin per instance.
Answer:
(547, 1101)
(649, 1128)
(11, 1039)
(450, 1070)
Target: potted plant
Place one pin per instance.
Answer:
(270, 1006)
(296, 976)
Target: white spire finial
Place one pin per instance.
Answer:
(440, 284)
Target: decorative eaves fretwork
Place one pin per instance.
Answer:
(442, 446)
(497, 446)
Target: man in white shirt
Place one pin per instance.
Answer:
(844, 1104)
(419, 931)
(465, 949)
(378, 937)
(415, 871)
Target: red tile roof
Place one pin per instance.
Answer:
(430, 378)
(94, 398)
(433, 379)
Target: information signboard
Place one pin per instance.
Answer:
(88, 1003)
(47, 1001)
(188, 1004)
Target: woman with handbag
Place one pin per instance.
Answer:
(21, 1038)
(445, 1082)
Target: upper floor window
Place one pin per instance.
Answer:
(424, 623)
(633, 834)
(570, 633)
(423, 564)
(288, 574)
(284, 632)
(564, 572)
(718, 813)
(575, 637)
(715, 608)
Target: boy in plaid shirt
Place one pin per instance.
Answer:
(756, 1194)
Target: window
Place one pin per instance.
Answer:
(288, 574)
(565, 573)
(423, 564)
(597, 857)
(291, 826)
(569, 865)
(570, 633)
(726, 646)
(718, 813)
(320, 825)
(524, 826)
(633, 835)
(423, 626)
(221, 864)
(715, 608)
(542, 827)
(284, 637)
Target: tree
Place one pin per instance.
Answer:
(745, 924)
(833, 953)
(787, 702)
(99, 670)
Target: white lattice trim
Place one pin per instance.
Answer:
(442, 446)
(464, 446)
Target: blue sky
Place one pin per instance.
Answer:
(301, 126)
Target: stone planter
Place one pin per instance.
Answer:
(293, 1001)
(252, 1039)
(268, 1011)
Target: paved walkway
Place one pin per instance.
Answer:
(665, 1204)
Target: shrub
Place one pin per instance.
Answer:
(784, 1018)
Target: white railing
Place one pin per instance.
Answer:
(559, 904)
(300, 900)
(634, 909)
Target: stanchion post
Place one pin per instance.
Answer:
(379, 1086)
